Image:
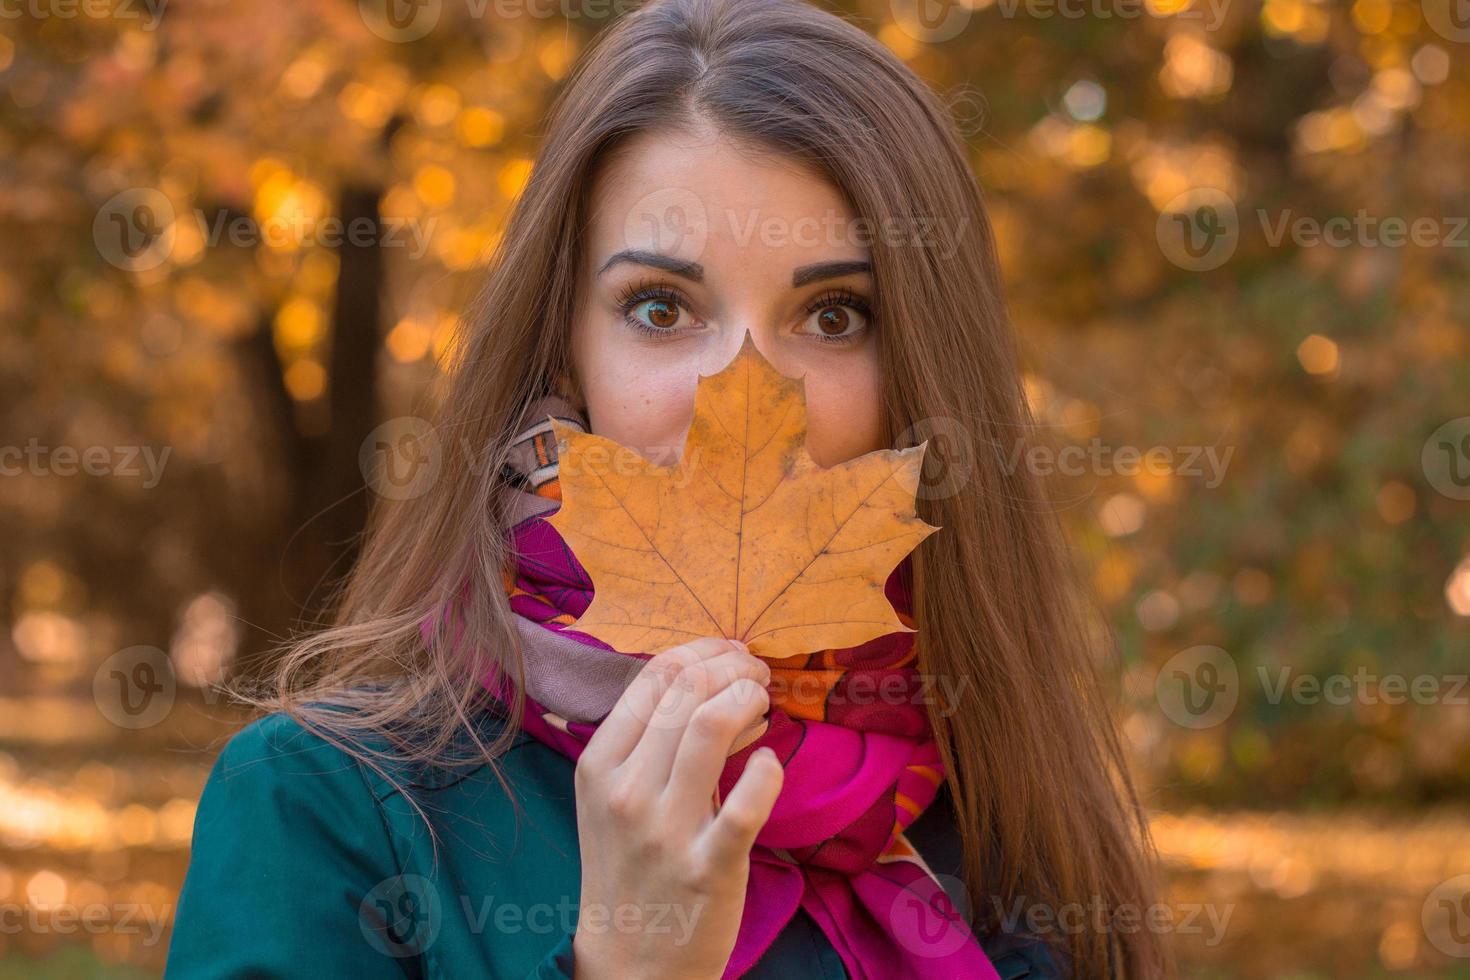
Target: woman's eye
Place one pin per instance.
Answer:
(838, 322)
(656, 312)
(659, 314)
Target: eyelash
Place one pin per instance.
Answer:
(643, 292)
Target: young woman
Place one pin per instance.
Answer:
(452, 781)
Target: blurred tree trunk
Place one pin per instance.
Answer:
(341, 495)
(313, 542)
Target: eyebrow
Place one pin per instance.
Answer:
(657, 260)
(694, 272)
(829, 270)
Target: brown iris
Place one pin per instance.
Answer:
(662, 313)
(833, 320)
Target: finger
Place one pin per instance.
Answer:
(732, 832)
(709, 739)
(697, 684)
(624, 725)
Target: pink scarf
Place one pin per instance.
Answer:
(849, 727)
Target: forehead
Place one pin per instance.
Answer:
(703, 197)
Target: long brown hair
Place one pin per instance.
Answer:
(1046, 810)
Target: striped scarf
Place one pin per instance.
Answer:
(849, 727)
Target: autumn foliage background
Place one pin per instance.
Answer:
(166, 183)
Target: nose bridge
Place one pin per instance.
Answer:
(766, 334)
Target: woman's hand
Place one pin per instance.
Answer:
(663, 873)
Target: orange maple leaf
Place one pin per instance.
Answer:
(746, 537)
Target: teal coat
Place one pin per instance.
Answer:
(307, 864)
